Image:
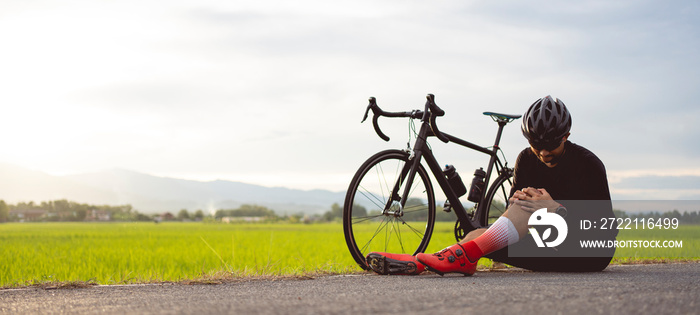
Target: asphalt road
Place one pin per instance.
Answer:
(635, 289)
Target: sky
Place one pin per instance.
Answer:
(272, 92)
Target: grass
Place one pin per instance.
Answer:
(122, 253)
(52, 255)
(688, 234)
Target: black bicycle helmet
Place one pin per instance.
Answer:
(546, 122)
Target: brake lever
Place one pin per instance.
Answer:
(372, 104)
(435, 112)
(375, 119)
(433, 107)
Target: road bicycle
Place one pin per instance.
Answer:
(390, 204)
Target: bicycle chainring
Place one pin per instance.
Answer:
(460, 232)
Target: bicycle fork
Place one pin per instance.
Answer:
(409, 169)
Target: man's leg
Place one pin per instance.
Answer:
(473, 234)
(463, 256)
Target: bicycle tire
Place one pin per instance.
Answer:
(371, 229)
(496, 201)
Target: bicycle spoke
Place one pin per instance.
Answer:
(398, 234)
(379, 179)
(413, 211)
(380, 204)
(363, 219)
(415, 185)
(397, 175)
(422, 207)
(388, 235)
(379, 228)
(385, 183)
(415, 231)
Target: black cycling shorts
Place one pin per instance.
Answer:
(552, 264)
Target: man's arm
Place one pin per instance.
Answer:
(597, 182)
(519, 175)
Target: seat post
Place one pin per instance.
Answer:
(502, 120)
(501, 124)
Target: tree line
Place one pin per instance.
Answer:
(64, 210)
(414, 210)
(70, 211)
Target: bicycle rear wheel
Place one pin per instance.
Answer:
(496, 201)
(370, 221)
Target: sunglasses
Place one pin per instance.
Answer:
(546, 145)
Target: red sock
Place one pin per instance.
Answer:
(472, 250)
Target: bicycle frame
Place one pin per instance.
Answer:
(422, 151)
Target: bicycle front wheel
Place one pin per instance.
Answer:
(371, 217)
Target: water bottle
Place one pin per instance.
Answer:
(454, 180)
(478, 185)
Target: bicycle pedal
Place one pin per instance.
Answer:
(447, 207)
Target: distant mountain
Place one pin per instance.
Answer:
(18, 184)
(151, 194)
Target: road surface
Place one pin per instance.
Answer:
(631, 289)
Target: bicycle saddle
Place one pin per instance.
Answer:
(502, 116)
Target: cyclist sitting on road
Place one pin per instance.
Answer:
(552, 168)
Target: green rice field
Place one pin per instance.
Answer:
(121, 253)
(689, 235)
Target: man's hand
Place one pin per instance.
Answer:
(531, 200)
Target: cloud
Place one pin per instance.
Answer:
(254, 89)
(646, 205)
(660, 182)
(620, 176)
(648, 184)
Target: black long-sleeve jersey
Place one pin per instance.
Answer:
(579, 175)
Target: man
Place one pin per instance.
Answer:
(552, 168)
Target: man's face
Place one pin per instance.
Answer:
(549, 154)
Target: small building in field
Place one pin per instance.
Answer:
(241, 219)
(29, 215)
(98, 215)
(165, 216)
